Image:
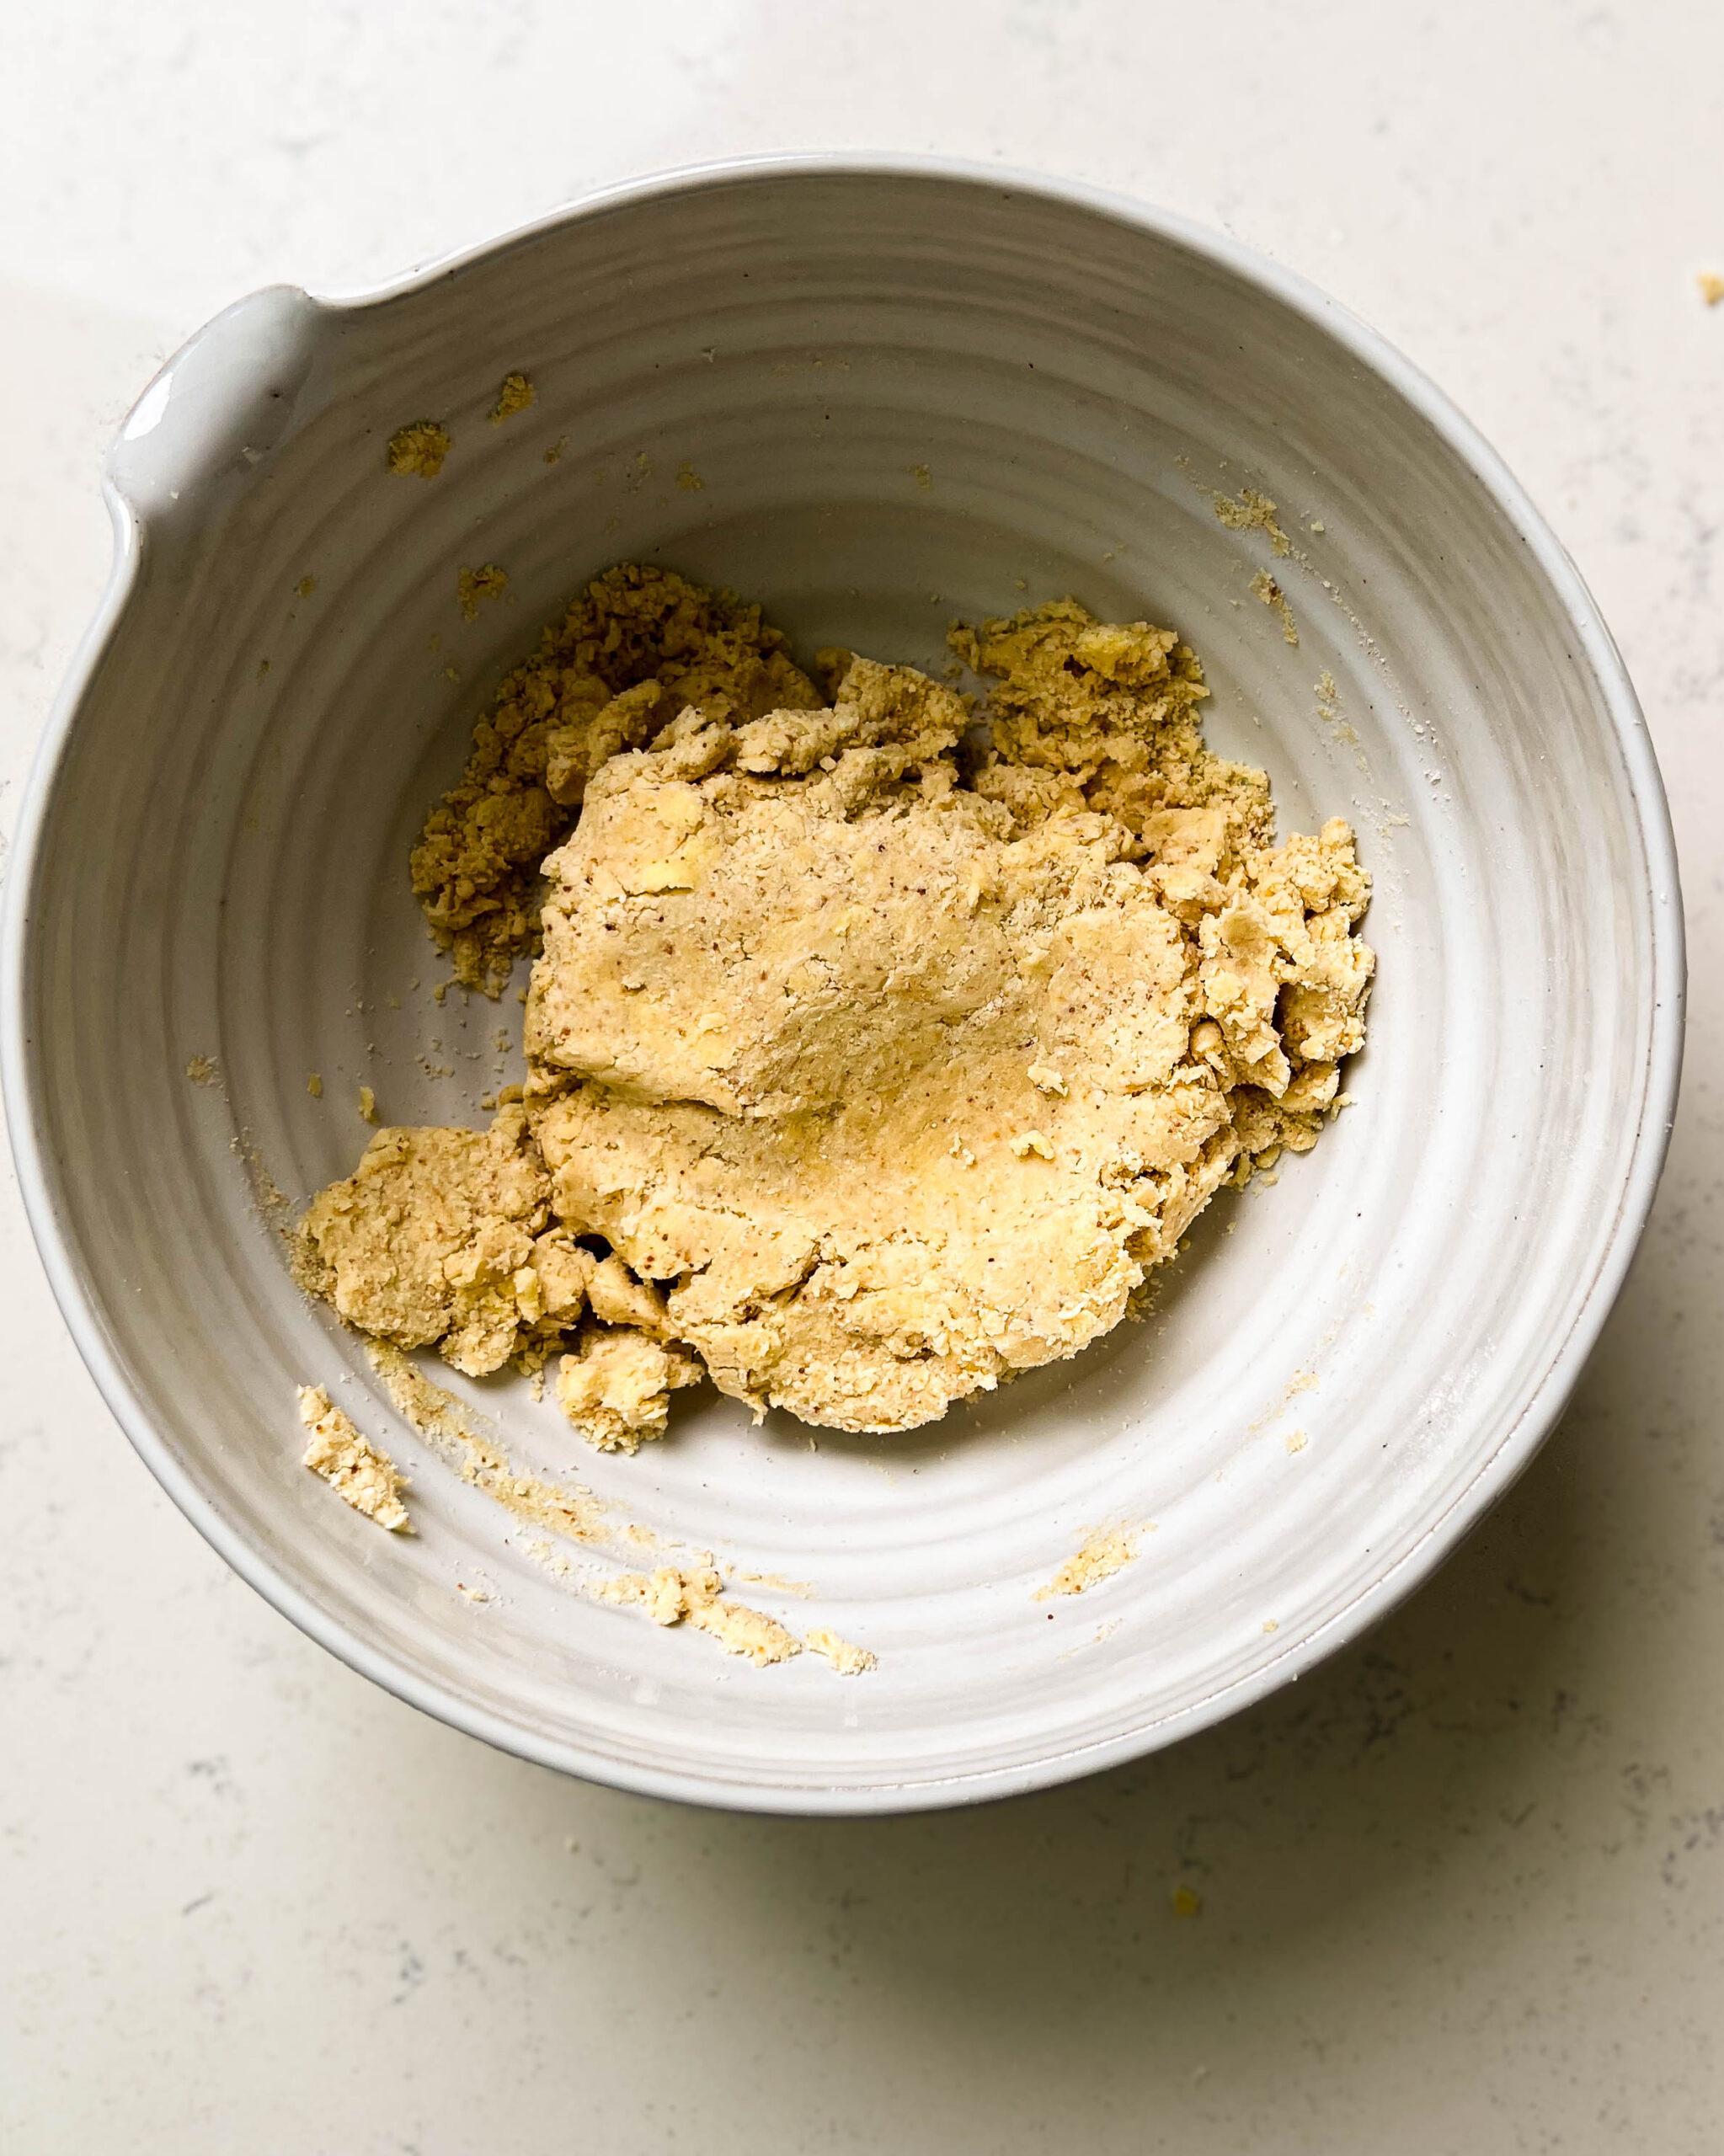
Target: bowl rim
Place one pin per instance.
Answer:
(1659, 902)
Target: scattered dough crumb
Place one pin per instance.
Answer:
(553, 455)
(1297, 1441)
(473, 587)
(418, 450)
(777, 1581)
(367, 1105)
(350, 1464)
(314, 1086)
(923, 477)
(1271, 1624)
(1109, 1551)
(847, 1660)
(1265, 587)
(201, 1069)
(307, 586)
(672, 1597)
(473, 1594)
(1328, 695)
(1711, 286)
(1187, 1902)
(1252, 512)
(274, 1204)
(689, 479)
(515, 395)
(437, 1414)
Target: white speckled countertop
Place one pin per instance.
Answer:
(1463, 1890)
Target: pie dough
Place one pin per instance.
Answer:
(885, 1056)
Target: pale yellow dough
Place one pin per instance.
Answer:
(672, 1597)
(354, 1468)
(442, 1237)
(887, 1059)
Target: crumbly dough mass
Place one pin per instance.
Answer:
(872, 1057)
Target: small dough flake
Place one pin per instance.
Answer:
(201, 1069)
(355, 1469)
(1109, 1550)
(514, 394)
(847, 1660)
(1264, 587)
(417, 451)
(1252, 512)
(696, 1597)
(473, 587)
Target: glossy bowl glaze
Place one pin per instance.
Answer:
(876, 395)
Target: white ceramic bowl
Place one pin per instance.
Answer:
(907, 391)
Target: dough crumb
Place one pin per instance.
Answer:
(847, 1660)
(314, 1086)
(514, 394)
(1297, 1441)
(367, 1105)
(350, 1464)
(689, 479)
(1252, 512)
(1264, 587)
(1711, 286)
(473, 587)
(672, 1597)
(615, 1387)
(1187, 1902)
(1110, 1550)
(923, 476)
(201, 1069)
(437, 1414)
(417, 451)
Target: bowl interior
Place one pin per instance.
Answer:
(875, 401)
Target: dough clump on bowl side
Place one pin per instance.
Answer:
(872, 1057)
